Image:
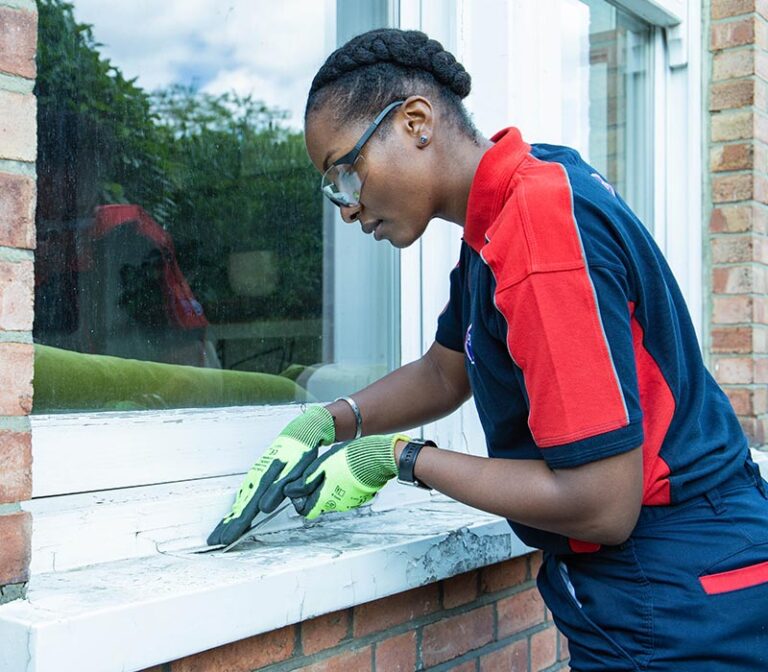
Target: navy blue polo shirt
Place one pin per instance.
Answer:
(577, 340)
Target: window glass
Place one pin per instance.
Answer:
(571, 72)
(185, 256)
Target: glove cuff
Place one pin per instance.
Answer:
(372, 459)
(313, 427)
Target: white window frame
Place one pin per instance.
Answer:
(161, 450)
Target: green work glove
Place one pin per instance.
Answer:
(284, 461)
(345, 477)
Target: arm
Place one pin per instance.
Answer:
(420, 392)
(597, 502)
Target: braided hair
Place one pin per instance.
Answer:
(381, 66)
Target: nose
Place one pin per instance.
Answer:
(350, 213)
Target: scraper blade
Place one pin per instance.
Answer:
(260, 519)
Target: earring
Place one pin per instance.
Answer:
(423, 139)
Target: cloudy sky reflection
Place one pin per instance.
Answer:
(262, 47)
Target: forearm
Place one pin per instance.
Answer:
(410, 396)
(598, 502)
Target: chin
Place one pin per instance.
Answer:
(404, 239)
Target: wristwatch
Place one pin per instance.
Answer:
(407, 462)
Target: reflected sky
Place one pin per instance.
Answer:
(266, 48)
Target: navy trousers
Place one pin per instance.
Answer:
(688, 592)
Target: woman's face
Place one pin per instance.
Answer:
(396, 199)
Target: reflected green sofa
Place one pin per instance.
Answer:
(74, 381)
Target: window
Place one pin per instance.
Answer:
(185, 256)
(178, 468)
(571, 72)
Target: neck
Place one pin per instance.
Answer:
(455, 183)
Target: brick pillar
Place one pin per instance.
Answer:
(18, 149)
(738, 151)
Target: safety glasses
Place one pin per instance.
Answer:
(343, 181)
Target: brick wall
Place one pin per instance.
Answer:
(491, 620)
(18, 148)
(738, 250)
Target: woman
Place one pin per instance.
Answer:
(610, 446)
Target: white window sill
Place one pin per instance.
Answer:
(132, 614)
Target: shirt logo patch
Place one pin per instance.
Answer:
(468, 345)
(603, 183)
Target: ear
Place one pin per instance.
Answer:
(418, 117)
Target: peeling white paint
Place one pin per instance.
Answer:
(90, 619)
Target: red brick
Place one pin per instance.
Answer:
(733, 125)
(466, 666)
(738, 279)
(731, 218)
(520, 612)
(536, 559)
(350, 661)
(15, 466)
(732, 309)
(761, 34)
(15, 547)
(17, 211)
(760, 340)
(748, 400)
(18, 126)
(759, 126)
(16, 296)
(731, 249)
(543, 649)
(731, 94)
(453, 637)
(756, 430)
(759, 154)
(391, 611)
(460, 589)
(731, 64)
(722, 9)
(761, 370)
(503, 575)
(324, 631)
(759, 222)
(732, 33)
(563, 652)
(243, 656)
(731, 157)
(16, 378)
(729, 188)
(734, 370)
(397, 654)
(512, 658)
(760, 254)
(760, 309)
(731, 339)
(18, 42)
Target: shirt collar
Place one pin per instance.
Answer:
(490, 184)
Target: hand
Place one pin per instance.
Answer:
(345, 477)
(284, 461)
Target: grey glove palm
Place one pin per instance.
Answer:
(283, 462)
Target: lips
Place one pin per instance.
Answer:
(370, 227)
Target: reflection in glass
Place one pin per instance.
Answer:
(179, 223)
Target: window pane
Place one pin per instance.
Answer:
(572, 72)
(185, 256)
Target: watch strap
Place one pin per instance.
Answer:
(406, 465)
